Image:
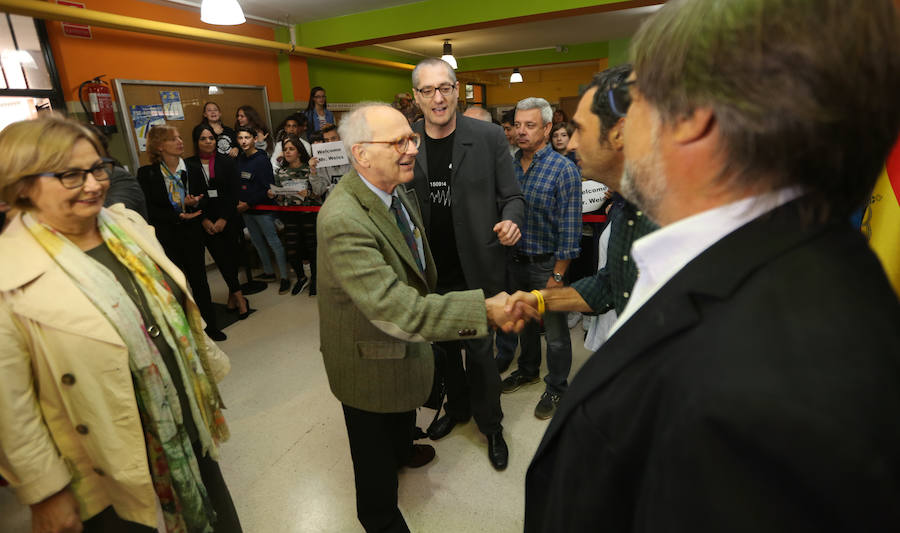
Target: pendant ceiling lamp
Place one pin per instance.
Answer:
(516, 76)
(222, 12)
(448, 54)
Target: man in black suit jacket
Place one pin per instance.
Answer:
(472, 208)
(751, 383)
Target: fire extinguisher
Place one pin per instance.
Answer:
(99, 97)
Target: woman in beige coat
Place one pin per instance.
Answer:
(110, 418)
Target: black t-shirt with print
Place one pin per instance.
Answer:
(440, 231)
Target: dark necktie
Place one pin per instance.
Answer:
(405, 230)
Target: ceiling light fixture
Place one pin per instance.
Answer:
(516, 76)
(222, 12)
(448, 54)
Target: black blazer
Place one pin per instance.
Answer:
(757, 391)
(483, 191)
(163, 216)
(225, 184)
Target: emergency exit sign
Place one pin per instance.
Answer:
(75, 30)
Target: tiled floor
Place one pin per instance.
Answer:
(288, 462)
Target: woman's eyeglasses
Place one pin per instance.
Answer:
(75, 177)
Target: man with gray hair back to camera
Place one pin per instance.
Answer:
(751, 382)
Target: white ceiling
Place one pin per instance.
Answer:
(558, 32)
(538, 35)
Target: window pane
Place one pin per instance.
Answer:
(29, 43)
(15, 108)
(12, 70)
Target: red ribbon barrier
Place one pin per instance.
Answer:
(315, 209)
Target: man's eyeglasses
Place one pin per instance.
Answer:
(402, 144)
(619, 98)
(75, 177)
(445, 89)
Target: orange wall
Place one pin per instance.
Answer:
(548, 83)
(135, 56)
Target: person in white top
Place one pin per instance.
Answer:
(751, 382)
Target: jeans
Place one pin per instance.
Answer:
(262, 231)
(527, 277)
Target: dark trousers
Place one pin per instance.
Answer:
(223, 247)
(186, 250)
(226, 516)
(474, 390)
(380, 443)
(300, 242)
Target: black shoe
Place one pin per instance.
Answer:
(422, 454)
(502, 364)
(300, 285)
(516, 380)
(312, 289)
(245, 314)
(284, 287)
(547, 405)
(268, 278)
(498, 453)
(442, 427)
(216, 334)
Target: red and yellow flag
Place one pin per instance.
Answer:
(881, 222)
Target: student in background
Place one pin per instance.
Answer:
(317, 112)
(218, 220)
(300, 227)
(248, 117)
(295, 124)
(255, 179)
(226, 140)
(175, 202)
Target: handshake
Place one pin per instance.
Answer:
(511, 312)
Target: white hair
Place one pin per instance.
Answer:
(479, 113)
(537, 103)
(354, 128)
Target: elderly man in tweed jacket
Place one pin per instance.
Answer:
(375, 312)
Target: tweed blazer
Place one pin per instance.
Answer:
(376, 315)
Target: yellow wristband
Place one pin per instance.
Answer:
(540, 301)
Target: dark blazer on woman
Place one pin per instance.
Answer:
(225, 184)
(169, 227)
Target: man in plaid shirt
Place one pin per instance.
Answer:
(599, 139)
(551, 185)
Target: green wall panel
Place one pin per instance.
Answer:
(283, 35)
(618, 51)
(578, 52)
(346, 82)
(424, 16)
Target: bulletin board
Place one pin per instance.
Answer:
(179, 105)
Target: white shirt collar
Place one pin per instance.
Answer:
(662, 254)
(384, 196)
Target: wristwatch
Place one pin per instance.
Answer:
(557, 277)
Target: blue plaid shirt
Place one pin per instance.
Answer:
(552, 190)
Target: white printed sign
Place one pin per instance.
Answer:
(593, 194)
(330, 154)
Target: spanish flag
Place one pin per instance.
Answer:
(881, 222)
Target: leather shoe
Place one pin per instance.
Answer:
(442, 427)
(422, 454)
(498, 452)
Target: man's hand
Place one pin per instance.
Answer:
(499, 318)
(219, 226)
(242, 206)
(189, 216)
(56, 514)
(233, 152)
(208, 226)
(508, 232)
(522, 305)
